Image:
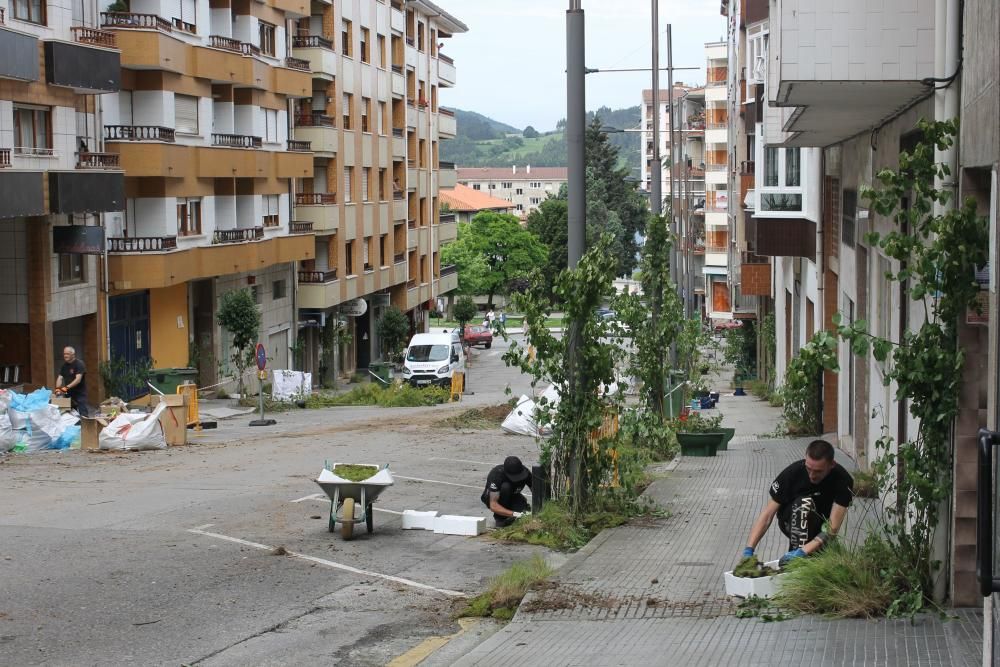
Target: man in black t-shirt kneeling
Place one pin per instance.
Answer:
(503, 491)
(804, 496)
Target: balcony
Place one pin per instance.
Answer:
(94, 37)
(83, 68)
(118, 244)
(317, 277)
(314, 120)
(319, 210)
(446, 71)
(236, 141)
(138, 21)
(300, 227)
(86, 191)
(4, 157)
(716, 76)
(785, 237)
(297, 63)
(238, 235)
(161, 159)
(755, 275)
(138, 133)
(97, 161)
(316, 199)
(311, 42)
(447, 125)
(399, 258)
(18, 56)
(297, 146)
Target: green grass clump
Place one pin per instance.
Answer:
(506, 590)
(864, 484)
(394, 396)
(354, 473)
(751, 568)
(479, 418)
(841, 581)
(554, 527)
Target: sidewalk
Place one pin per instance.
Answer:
(652, 593)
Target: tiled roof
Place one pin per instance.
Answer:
(514, 173)
(464, 198)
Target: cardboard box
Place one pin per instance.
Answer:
(174, 419)
(90, 430)
(61, 402)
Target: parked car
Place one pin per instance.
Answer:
(478, 335)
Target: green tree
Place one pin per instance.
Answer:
(392, 328)
(530, 133)
(465, 310)
(549, 222)
(494, 249)
(239, 316)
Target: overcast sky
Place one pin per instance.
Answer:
(511, 64)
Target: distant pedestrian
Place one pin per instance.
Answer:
(490, 316)
(503, 318)
(72, 382)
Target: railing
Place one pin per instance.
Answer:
(446, 111)
(411, 162)
(448, 269)
(311, 41)
(398, 194)
(747, 167)
(445, 58)
(398, 69)
(411, 284)
(98, 161)
(227, 43)
(315, 198)
(142, 244)
(184, 26)
(715, 167)
(317, 277)
(397, 132)
(299, 146)
(747, 257)
(248, 49)
(141, 21)
(412, 224)
(716, 249)
(446, 218)
(1, 16)
(410, 102)
(4, 157)
(85, 35)
(399, 258)
(300, 227)
(445, 165)
(37, 151)
(138, 133)
(238, 235)
(271, 220)
(409, 41)
(314, 120)
(718, 126)
(298, 63)
(236, 141)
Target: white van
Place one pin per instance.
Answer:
(432, 358)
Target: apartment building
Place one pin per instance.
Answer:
(837, 92)
(666, 102)
(689, 174)
(374, 124)
(58, 71)
(525, 187)
(718, 292)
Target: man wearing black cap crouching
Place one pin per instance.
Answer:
(503, 491)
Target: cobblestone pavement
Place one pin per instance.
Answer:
(653, 594)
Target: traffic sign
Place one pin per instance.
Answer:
(261, 355)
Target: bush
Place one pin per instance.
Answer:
(698, 423)
(394, 396)
(508, 589)
(554, 527)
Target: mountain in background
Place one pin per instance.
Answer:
(483, 142)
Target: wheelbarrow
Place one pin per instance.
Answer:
(345, 496)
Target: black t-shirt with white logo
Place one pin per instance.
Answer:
(495, 479)
(793, 483)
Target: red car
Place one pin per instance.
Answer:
(478, 335)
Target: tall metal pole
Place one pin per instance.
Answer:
(576, 117)
(673, 155)
(655, 173)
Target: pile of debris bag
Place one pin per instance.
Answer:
(29, 423)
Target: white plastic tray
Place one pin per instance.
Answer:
(744, 587)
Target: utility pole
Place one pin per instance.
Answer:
(655, 173)
(576, 116)
(673, 155)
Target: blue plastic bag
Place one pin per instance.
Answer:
(33, 401)
(65, 441)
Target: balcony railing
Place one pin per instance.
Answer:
(298, 63)
(446, 218)
(299, 146)
(236, 141)
(411, 284)
(409, 41)
(93, 36)
(446, 165)
(399, 258)
(142, 244)
(138, 133)
(747, 166)
(316, 198)
(1, 16)
(398, 194)
(300, 227)
(250, 49)
(718, 125)
(313, 120)
(4, 157)
(98, 161)
(445, 58)
(184, 26)
(412, 224)
(717, 249)
(238, 235)
(397, 132)
(317, 277)
(141, 21)
(227, 43)
(398, 69)
(271, 221)
(311, 41)
(448, 269)
(715, 167)
(446, 111)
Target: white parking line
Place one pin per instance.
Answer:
(445, 458)
(200, 530)
(322, 498)
(435, 481)
(315, 496)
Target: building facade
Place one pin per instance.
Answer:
(58, 73)
(463, 203)
(524, 187)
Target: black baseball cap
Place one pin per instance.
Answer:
(515, 470)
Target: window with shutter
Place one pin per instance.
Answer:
(364, 183)
(186, 114)
(271, 125)
(347, 184)
(365, 252)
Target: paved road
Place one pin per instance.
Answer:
(165, 557)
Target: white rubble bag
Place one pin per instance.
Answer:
(525, 417)
(290, 385)
(134, 431)
(8, 436)
(44, 427)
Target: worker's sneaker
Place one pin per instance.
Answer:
(504, 521)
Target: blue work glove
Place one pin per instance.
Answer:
(790, 556)
(747, 552)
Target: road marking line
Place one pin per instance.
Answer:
(329, 563)
(421, 651)
(445, 458)
(435, 481)
(314, 496)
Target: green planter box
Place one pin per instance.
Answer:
(728, 434)
(699, 444)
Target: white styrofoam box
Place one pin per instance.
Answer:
(744, 587)
(450, 524)
(416, 520)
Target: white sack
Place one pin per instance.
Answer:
(44, 427)
(134, 431)
(290, 385)
(18, 419)
(8, 436)
(526, 417)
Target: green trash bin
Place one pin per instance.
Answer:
(382, 371)
(168, 379)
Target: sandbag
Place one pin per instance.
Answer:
(134, 431)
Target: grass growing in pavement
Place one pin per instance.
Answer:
(394, 396)
(507, 589)
(556, 529)
(479, 418)
(864, 484)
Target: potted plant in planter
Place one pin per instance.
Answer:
(701, 436)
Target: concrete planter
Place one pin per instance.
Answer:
(699, 444)
(728, 434)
